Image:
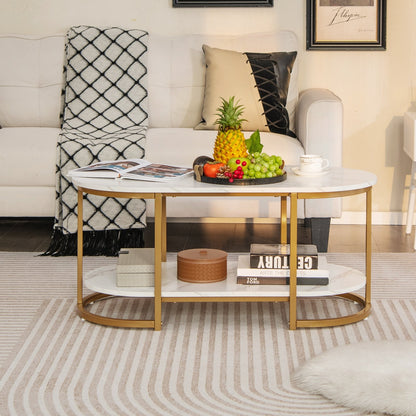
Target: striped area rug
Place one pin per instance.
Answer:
(209, 358)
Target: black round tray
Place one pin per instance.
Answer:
(243, 182)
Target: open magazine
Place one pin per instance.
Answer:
(138, 169)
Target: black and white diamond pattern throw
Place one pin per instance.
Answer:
(104, 118)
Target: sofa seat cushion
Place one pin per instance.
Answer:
(181, 146)
(30, 158)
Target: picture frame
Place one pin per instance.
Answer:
(346, 25)
(222, 3)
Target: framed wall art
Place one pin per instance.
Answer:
(346, 24)
(222, 3)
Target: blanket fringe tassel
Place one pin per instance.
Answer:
(95, 243)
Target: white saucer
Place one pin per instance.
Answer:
(297, 171)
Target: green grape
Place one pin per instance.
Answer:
(264, 165)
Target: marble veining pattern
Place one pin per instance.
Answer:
(338, 179)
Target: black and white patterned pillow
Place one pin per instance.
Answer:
(259, 81)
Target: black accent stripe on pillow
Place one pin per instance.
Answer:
(272, 72)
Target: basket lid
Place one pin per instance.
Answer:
(202, 254)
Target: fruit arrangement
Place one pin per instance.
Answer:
(234, 157)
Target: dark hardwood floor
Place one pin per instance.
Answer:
(33, 234)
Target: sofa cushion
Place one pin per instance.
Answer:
(181, 146)
(30, 158)
(31, 74)
(176, 73)
(259, 81)
(190, 143)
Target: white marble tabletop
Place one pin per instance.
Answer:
(334, 180)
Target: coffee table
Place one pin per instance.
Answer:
(338, 182)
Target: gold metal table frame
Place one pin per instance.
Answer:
(160, 256)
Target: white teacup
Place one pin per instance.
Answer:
(313, 163)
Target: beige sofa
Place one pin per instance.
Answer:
(31, 82)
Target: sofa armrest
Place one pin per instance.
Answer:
(319, 124)
(319, 127)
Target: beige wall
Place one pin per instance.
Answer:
(376, 87)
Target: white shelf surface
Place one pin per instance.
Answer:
(342, 280)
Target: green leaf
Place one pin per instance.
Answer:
(253, 143)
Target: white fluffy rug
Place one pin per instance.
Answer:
(369, 376)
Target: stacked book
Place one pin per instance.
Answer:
(136, 267)
(269, 264)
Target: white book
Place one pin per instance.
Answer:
(244, 269)
(136, 260)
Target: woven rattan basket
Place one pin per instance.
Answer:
(202, 265)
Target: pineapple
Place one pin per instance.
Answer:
(230, 140)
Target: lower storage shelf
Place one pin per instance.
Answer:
(341, 280)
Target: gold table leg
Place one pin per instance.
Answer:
(365, 302)
(368, 226)
(160, 251)
(80, 251)
(84, 302)
(293, 259)
(283, 219)
(163, 226)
